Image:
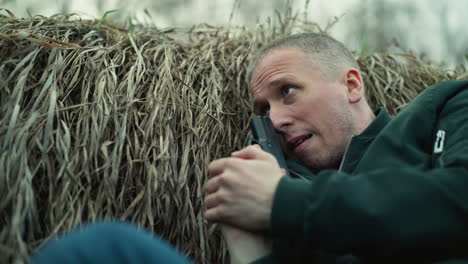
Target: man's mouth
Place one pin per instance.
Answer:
(297, 144)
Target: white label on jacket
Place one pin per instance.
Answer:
(439, 142)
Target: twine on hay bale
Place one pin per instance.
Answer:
(97, 121)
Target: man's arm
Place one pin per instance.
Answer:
(245, 247)
(388, 211)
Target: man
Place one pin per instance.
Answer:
(378, 190)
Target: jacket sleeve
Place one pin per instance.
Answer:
(384, 211)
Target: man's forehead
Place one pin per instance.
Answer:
(278, 80)
(278, 55)
(277, 58)
(275, 67)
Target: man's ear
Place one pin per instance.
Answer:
(354, 84)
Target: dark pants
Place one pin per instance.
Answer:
(108, 242)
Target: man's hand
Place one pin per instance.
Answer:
(241, 188)
(245, 247)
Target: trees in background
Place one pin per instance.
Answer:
(428, 30)
(436, 29)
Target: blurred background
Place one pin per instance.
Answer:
(434, 30)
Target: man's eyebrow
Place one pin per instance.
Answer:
(279, 81)
(259, 102)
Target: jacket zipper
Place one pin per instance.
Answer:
(298, 175)
(346, 152)
(439, 143)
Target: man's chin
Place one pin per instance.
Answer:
(309, 163)
(317, 164)
(314, 164)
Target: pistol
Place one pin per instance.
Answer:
(264, 134)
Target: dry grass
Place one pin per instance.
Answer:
(99, 122)
(393, 80)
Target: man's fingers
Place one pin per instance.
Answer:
(216, 167)
(250, 152)
(219, 166)
(213, 214)
(211, 201)
(213, 184)
(216, 207)
(214, 199)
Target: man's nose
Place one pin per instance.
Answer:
(280, 119)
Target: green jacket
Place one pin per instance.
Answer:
(401, 195)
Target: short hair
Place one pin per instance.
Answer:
(329, 55)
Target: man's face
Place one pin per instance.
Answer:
(310, 112)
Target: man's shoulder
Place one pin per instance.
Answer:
(446, 90)
(434, 97)
(450, 84)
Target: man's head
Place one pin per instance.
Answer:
(311, 87)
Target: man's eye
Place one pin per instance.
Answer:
(287, 89)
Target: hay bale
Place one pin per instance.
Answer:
(98, 121)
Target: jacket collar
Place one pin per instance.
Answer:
(381, 120)
(358, 144)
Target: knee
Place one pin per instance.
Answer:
(107, 242)
(110, 228)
